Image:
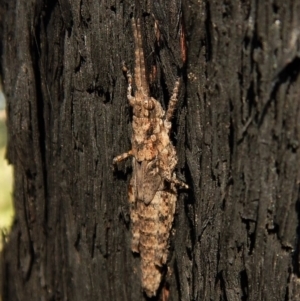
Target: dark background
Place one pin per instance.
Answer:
(237, 134)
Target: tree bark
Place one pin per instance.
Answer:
(237, 134)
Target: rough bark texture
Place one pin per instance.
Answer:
(237, 137)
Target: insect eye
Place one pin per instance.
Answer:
(148, 104)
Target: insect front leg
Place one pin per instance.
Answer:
(122, 157)
(130, 98)
(173, 102)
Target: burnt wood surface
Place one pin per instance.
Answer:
(237, 134)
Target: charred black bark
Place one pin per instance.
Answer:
(237, 137)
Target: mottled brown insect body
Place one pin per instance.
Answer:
(152, 191)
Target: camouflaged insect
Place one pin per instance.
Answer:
(152, 189)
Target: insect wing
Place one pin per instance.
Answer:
(145, 180)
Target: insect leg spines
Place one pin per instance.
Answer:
(173, 101)
(135, 231)
(122, 157)
(134, 217)
(130, 98)
(165, 175)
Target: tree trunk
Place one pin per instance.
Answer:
(237, 135)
